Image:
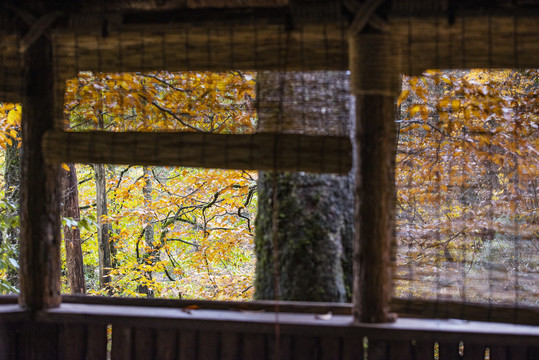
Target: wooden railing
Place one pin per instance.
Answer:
(251, 331)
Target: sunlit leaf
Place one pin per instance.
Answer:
(403, 96)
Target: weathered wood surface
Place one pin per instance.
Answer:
(490, 40)
(291, 324)
(96, 345)
(122, 342)
(40, 195)
(254, 43)
(374, 82)
(432, 309)
(8, 341)
(37, 341)
(427, 309)
(166, 345)
(166, 333)
(261, 151)
(72, 341)
(8, 299)
(254, 40)
(230, 345)
(255, 306)
(187, 342)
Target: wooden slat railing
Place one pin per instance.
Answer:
(77, 331)
(426, 309)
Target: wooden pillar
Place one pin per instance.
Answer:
(374, 82)
(40, 200)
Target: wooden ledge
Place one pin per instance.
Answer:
(13, 313)
(403, 329)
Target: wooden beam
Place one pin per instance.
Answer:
(251, 322)
(254, 306)
(257, 42)
(261, 151)
(479, 41)
(426, 309)
(207, 41)
(374, 82)
(433, 309)
(40, 200)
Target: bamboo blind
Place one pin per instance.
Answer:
(322, 146)
(466, 215)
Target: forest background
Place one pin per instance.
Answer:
(466, 173)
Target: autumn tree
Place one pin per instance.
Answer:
(193, 216)
(10, 137)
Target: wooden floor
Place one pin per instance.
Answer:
(79, 331)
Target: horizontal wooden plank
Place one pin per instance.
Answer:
(8, 299)
(480, 41)
(254, 306)
(450, 331)
(203, 46)
(404, 308)
(257, 41)
(261, 151)
(524, 315)
(12, 313)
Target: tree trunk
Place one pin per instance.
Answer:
(151, 252)
(314, 237)
(70, 209)
(304, 225)
(12, 177)
(103, 232)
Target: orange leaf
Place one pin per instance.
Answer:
(403, 95)
(455, 104)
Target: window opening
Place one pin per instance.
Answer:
(183, 233)
(10, 142)
(140, 102)
(466, 187)
(171, 232)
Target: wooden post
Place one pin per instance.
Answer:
(374, 82)
(40, 195)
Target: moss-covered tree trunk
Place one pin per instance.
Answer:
(314, 216)
(304, 226)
